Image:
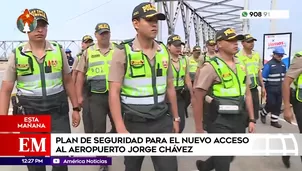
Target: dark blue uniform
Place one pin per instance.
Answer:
(273, 75)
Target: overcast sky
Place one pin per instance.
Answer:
(67, 21)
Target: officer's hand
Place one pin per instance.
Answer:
(199, 130)
(80, 101)
(76, 119)
(288, 115)
(122, 131)
(176, 127)
(263, 92)
(251, 127)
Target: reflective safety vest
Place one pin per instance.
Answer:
(298, 87)
(193, 65)
(230, 91)
(145, 84)
(298, 84)
(253, 67)
(98, 70)
(179, 75)
(39, 79)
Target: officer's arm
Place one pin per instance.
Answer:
(188, 80)
(202, 83)
(265, 72)
(7, 85)
(68, 81)
(81, 70)
(293, 72)
(249, 102)
(116, 76)
(171, 93)
(260, 74)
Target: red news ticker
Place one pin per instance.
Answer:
(25, 145)
(25, 123)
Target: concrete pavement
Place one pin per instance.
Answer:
(188, 163)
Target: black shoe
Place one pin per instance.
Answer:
(286, 161)
(104, 168)
(263, 119)
(199, 165)
(276, 124)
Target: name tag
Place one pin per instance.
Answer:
(228, 107)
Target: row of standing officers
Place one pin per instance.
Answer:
(148, 82)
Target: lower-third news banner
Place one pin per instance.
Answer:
(91, 145)
(176, 144)
(56, 161)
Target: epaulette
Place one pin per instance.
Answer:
(159, 42)
(126, 41)
(120, 46)
(92, 44)
(80, 54)
(55, 44)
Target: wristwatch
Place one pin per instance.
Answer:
(76, 109)
(177, 119)
(252, 120)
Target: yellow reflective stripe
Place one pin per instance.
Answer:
(32, 84)
(38, 91)
(92, 64)
(144, 81)
(141, 100)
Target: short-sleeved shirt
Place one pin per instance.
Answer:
(118, 62)
(295, 68)
(10, 73)
(205, 81)
(75, 63)
(83, 61)
(202, 59)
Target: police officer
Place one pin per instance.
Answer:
(43, 77)
(194, 61)
(210, 45)
(294, 96)
(87, 41)
(93, 68)
(227, 77)
(254, 66)
(131, 86)
(181, 75)
(273, 75)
